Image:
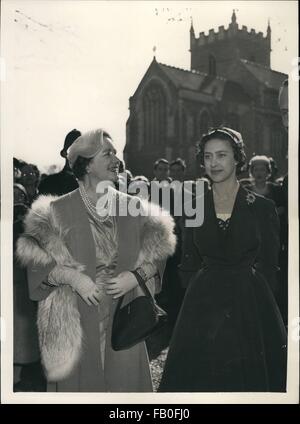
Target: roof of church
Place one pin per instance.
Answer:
(187, 79)
(272, 79)
(196, 80)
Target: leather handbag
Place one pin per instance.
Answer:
(137, 320)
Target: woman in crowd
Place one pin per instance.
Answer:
(229, 336)
(260, 171)
(79, 260)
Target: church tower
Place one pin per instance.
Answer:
(216, 52)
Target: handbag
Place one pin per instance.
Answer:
(137, 320)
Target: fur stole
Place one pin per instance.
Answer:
(59, 326)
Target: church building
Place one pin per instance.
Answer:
(230, 83)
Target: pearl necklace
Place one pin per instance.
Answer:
(91, 208)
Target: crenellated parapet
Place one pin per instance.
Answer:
(230, 32)
(218, 50)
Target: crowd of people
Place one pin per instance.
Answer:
(223, 284)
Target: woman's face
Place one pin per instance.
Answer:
(260, 172)
(219, 161)
(105, 165)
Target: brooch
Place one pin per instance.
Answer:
(250, 198)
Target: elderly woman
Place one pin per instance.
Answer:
(229, 336)
(82, 254)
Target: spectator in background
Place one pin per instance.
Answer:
(29, 179)
(260, 171)
(177, 169)
(20, 194)
(161, 170)
(140, 186)
(64, 181)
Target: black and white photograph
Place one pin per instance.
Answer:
(149, 202)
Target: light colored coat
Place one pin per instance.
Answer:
(57, 231)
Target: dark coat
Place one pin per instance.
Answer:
(62, 182)
(229, 331)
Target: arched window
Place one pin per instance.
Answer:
(154, 107)
(212, 65)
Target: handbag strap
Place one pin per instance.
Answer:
(143, 286)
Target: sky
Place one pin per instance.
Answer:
(74, 64)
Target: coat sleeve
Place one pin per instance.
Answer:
(267, 260)
(30, 251)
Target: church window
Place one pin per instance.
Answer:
(154, 107)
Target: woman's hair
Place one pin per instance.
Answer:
(260, 159)
(158, 161)
(180, 162)
(227, 134)
(79, 168)
(140, 178)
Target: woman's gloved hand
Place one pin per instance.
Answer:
(81, 283)
(121, 284)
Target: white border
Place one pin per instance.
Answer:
(7, 395)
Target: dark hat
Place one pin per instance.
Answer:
(69, 140)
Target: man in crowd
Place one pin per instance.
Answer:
(161, 169)
(64, 181)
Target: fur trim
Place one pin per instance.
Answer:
(59, 327)
(43, 239)
(60, 347)
(58, 319)
(158, 238)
